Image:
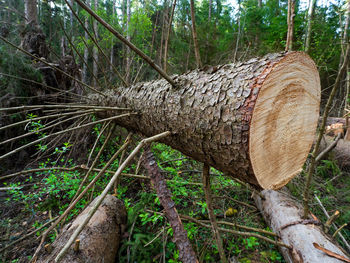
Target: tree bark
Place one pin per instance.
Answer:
(254, 120)
(128, 37)
(283, 215)
(167, 37)
(95, 50)
(86, 50)
(290, 22)
(312, 4)
(99, 241)
(194, 33)
(341, 152)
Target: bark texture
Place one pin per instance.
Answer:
(284, 216)
(99, 241)
(211, 115)
(186, 253)
(341, 153)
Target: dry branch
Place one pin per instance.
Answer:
(64, 131)
(186, 253)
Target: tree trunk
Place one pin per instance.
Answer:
(99, 241)
(95, 50)
(86, 50)
(128, 37)
(290, 22)
(312, 4)
(283, 215)
(194, 33)
(112, 45)
(254, 120)
(31, 11)
(341, 153)
(167, 37)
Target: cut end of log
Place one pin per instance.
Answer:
(284, 120)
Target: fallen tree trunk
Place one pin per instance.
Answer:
(100, 238)
(254, 120)
(341, 152)
(284, 216)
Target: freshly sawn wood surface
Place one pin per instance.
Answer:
(254, 120)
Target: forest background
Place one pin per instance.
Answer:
(226, 32)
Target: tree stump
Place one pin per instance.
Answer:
(99, 241)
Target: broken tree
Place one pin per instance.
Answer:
(254, 120)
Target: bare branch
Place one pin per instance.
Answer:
(64, 131)
(126, 42)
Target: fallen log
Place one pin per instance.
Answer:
(284, 216)
(98, 242)
(254, 120)
(340, 153)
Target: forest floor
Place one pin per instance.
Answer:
(42, 196)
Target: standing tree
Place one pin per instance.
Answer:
(290, 22)
(194, 34)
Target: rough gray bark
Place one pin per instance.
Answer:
(210, 112)
(283, 215)
(99, 241)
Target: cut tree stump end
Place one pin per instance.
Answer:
(284, 120)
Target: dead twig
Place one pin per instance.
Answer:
(64, 131)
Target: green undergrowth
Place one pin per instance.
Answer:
(149, 237)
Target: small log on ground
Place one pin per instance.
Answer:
(284, 216)
(255, 120)
(341, 152)
(99, 241)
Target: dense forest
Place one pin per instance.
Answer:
(174, 131)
